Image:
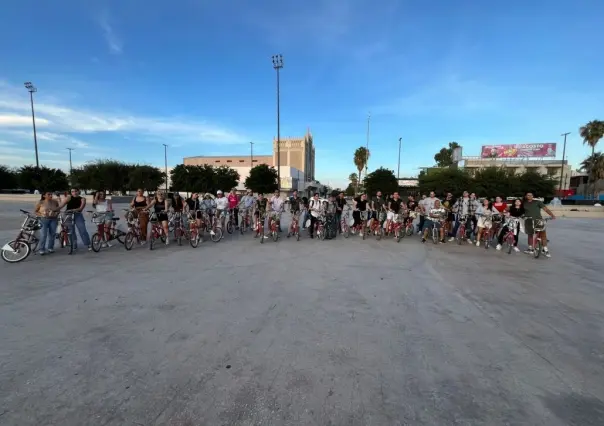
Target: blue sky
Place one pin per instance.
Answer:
(117, 79)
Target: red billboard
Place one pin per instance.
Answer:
(519, 150)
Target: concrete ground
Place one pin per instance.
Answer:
(340, 332)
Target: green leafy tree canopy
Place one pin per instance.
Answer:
(444, 157)
(42, 179)
(381, 180)
(8, 178)
(262, 179)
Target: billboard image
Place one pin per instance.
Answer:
(519, 150)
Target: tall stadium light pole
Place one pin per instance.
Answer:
(398, 170)
(563, 155)
(70, 165)
(277, 65)
(367, 147)
(166, 165)
(252, 154)
(32, 89)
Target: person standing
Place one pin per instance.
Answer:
(360, 206)
(516, 211)
(304, 213)
(340, 204)
(47, 209)
(315, 208)
(234, 206)
(532, 210)
(77, 203)
(139, 205)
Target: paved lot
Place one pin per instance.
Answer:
(342, 332)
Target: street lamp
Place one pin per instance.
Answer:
(252, 154)
(166, 165)
(398, 170)
(277, 65)
(70, 166)
(31, 89)
(367, 147)
(562, 168)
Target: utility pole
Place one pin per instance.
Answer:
(32, 89)
(563, 155)
(398, 170)
(251, 154)
(367, 147)
(166, 165)
(277, 65)
(70, 166)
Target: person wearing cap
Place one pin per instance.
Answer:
(222, 204)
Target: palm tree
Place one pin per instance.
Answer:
(360, 159)
(591, 133)
(353, 178)
(594, 166)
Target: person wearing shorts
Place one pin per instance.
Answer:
(394, 209)
(160, 206)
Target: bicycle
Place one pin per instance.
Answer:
(105, 233)
(294, 226)
(67, 226)
(273, 226)
(194, 234)
(180, 230)
(510, 236)
(409, 230)
(461, 236)
(345, 222)
(361, 227)
(26, 241)
(396, 227)
(260, 226)
(230, 223)
(320, 230)
(539, 226)
(209, 223)
(134, 229)
(436, 229)
(244, 222)
(157, 231)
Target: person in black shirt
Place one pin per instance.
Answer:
(78, 203)
(295, 203)
(394, 208)
(340, 204)
(411, 206)
(360, 205)
(304, 214)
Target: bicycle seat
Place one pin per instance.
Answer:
(115, 219)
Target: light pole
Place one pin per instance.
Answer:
(398, 170)
(367, 147)
(252, 154)
(166, 165)
(277, 65)
(31, 89)
(70, 165)
(563, 154)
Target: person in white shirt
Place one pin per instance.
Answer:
(316, 209)
(435, 218)
(104, 209)
(276, 207)
(222, 205)
(484, 214)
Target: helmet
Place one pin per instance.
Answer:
(219, 192)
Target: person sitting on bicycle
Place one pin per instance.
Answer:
(484, 215)
(532, 209)
(434, 219)
(104, 207)
(516, 211)
(193, 205)
(360, 205)
(161, 206)
(260, 212)
(394, 209)
(316, 210)
(378, 205)
(234, 207)
(222, 205)
(178, 203)
(139, 204)
(276, 207)
(246, 204)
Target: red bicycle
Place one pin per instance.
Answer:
(134, 228)
(461, 231)
(409, 230)
(245, 220)
(294, 226)
(361, 227)
(396, 227)
(345, 222)
(510, 236)
(273, 226)
(376, 227)
(105, 231)
(157, 231)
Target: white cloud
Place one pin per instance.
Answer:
(13, 120)
(113, 40)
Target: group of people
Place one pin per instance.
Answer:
(446, 215)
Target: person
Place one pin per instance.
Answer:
(423, 209)
(260, 213)
(161, 205)
(193, 204)
(516, 210)
(378, 205)
(246, 204)
(448, 204)
(411, 207)
(104, 207)
(178, 203)
(222, 204)
(360, 205)
(304, 214)
(340, 204)
(77, 203)
(484, 214)
(500, 205)
(464, 207)
(330, 208)
(47, 209)
(532, 210)
(276, 207)
(139, 205)
(394, 209)
(434, 218)
(316, 209)
(234, 206)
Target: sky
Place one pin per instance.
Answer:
(118, 79)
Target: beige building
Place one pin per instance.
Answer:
(297, 152)
(229, 160)
(552, 168)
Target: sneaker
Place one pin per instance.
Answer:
(516, 249)
(50, 251)
(360, 234)
(143, 242)
(266, 236)
(41, 253)
(529, 250)
(212, 232)
(477, 243)
(104, 245)
(498, 247)
(167, 242)
(451, 239)
(546, 253)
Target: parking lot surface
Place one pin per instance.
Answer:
(338, 332)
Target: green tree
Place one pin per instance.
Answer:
(360, 159)
(591, 133)
(350, 189)
(148, 178)
(110, 175)
(444, 157)
(594, 167)
(493, 181)
(8, 178)
(381, 180)
(446, 180)
(262, 179)
(42, 179)
(353, 178)
(225, 178)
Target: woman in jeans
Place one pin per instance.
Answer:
(47, 209)
(517, 211)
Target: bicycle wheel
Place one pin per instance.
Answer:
(96, 242)
(397, 235)
(70, 242)
(217, 236)
(151, 240)
(194, 240)
(178, 236)
(129, 241)
(409, 230)
(63, 239)
(230, 227)
(120, 236)
(275, 234)
(435, 235)
(15, 251)
(460, 234)
(345, 230)
(379, 232)
(537, 249)
(510, 243)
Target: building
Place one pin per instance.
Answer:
(552, 168)
(297, 168)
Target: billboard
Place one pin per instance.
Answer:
(519, 150)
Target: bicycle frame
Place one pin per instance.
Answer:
(538, 226)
